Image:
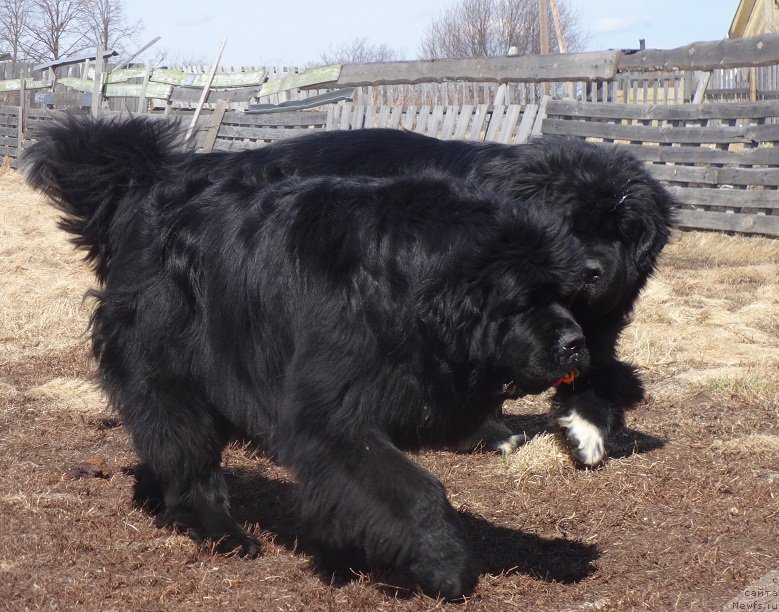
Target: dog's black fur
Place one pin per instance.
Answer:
(334, 321)
(620, 214)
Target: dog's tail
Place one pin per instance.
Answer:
(98, 172)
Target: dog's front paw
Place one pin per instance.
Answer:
(443, 563)
(588, 445)
(450, 578)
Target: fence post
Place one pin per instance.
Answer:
(216, 120)
(97, 87)
(21, 117)
(143, 105)
(753, 84)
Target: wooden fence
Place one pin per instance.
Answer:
(512, 124)
(722, 70)
(721, 161)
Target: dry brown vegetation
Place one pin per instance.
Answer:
(684, 513)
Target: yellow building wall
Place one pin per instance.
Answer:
(754, 17)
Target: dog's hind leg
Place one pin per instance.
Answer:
(180, 445)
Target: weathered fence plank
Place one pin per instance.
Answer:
(703, 155)
(665, 112)
(762, 50)
(728, 222)
(514, 69)
(16, 84)
(317, 77)
(664, 134)
(723, 169)
(717, 176)
(700, 197)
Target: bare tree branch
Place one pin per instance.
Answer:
(359, 51)
(107, 25)
(56, 29)
(14, 21)
(484, 28)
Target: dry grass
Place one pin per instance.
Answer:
(683, 515)
(543, 454)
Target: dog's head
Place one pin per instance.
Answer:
(619, 213)
(507, 313)
(530, 338)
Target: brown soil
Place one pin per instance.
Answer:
(684, 514)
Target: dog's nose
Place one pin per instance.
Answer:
(571, 342)
(593, 271)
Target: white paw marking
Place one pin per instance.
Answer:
(509, 445)
(587, 440)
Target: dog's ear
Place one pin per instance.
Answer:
(652, 237)
(647, 247)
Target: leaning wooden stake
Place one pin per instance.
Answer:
(206, 90)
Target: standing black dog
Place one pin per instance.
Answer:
(604, 195)
(335, 321)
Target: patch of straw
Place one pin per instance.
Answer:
(542, 455)
(750, 444)
(72, 393)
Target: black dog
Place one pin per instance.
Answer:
(334, 321)
(605, 196)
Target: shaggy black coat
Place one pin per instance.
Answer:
(334, 321)
(603, 194)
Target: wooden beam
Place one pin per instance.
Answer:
(760, 50)
(601, 65)
(543, 27)
(137, 53)
(558, 26)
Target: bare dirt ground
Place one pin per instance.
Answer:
(684, 514)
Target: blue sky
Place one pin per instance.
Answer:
(285, 32)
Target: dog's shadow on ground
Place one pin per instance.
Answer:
(624, 443)
(500, 550)
(627, 442)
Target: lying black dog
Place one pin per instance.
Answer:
(604, 195)
(334, 321)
